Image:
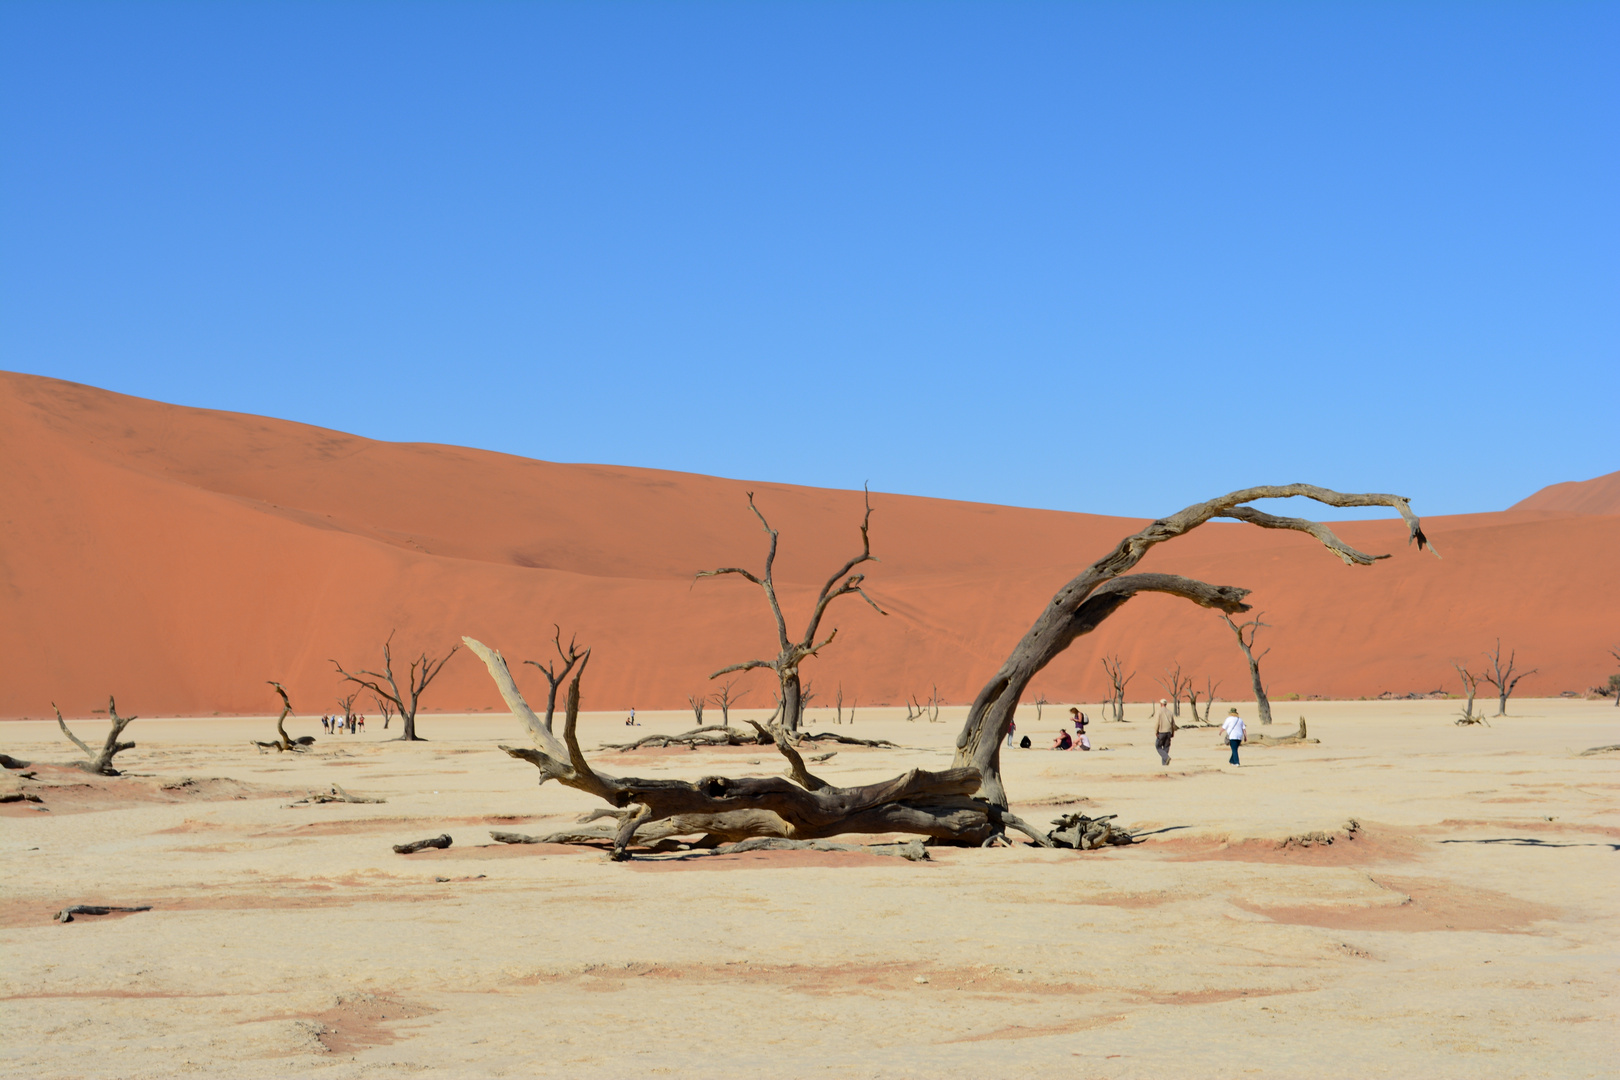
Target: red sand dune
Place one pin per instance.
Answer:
(180, 557)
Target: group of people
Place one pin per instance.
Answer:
(1233, 731)
(338, 725)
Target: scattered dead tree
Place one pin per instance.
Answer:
(100, 761)
(1502, 677)
(384, 684)
(793, 653)
(554, 677)
(441, 841)
(916, 709)
(1470, 682)
(1040, 704)
(283, 742)
(1117, 680)
(1175, 685)
(1193, 694)
(725, 698)
(1246, 633)
(346, 708)
(335, 795)
(385, 708)
(838, 707)
(697, 701)
(965, 804)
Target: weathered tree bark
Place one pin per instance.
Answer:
(1502, 677)
(793, 653)
(100, 761)
(554, 678)
(1117, 680)
(965, 804)
(384, 685)
(1246, 633)
(1100, 590)
(441, 841)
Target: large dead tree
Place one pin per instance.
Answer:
(1502, 677)
(794, 652)
(1246, 633)
(384, 684)
(100, 761)
(965, 804)
(1117, 680)
(555, 676)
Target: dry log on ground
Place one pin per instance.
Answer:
(1594, 751)
(9, 762)
(441, 841)
(336, 795)
(1087, 833)
(20, 796)
(67, 913)
(1296, 739)
(100, 761)
(965, 804)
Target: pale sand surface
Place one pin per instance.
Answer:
(1470, 932)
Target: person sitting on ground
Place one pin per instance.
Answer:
(1080, 721)
(1062, 742)
(1024, 743)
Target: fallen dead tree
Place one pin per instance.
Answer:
(1297, 738)
(964, 804)
(336, 795)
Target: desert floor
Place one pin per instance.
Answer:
(1468, 930)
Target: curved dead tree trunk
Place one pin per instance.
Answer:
(100, 761)
(1246, 633)
(794, 652)
(283, 741)
(1100, 590)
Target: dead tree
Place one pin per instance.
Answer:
(384, 684)
(1175, 684)
(697, 701)
(1040, 704)
(917, 710)
(793, 653)
(100, 761)
(1502, 677)
(1614, 680)
(1102, 588)
(346, 704)
(1246, 633)
(1210, 686)
(965, 804)
(1470, 682)
(385, 707)
(554, 678)
(838, 707)
(725, 697)
(283, 742)
(1117, 679)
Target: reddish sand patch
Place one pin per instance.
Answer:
(1425, 904)
(356, 1021)
(355, 538)
(1369, 847)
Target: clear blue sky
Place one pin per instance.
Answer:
(1101, 257)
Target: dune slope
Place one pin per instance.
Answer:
(180, 557)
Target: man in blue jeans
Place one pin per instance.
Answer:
(1235, 734)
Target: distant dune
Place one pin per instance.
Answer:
(180, 557)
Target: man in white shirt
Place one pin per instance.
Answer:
(1236, 734)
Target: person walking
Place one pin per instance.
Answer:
(1236, 734)
(1164, 731)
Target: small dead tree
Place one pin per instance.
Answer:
(838, 706)
(100, 761)
(1175, 684)
(697, 701)
(1193, 694)
(283, 743)
(1245, 633)
(725, 697)
(1502, 677)
(1040, 703)
(385, 707)
(1117, 680)
(346, 704)
(794, 652)
(554, 677)
(385, 684)
(1470, 682)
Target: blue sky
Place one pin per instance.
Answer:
(1102, 257)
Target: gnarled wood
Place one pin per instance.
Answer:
(100, 761)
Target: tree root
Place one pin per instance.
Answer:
(1087, 833)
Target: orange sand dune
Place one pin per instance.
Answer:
(1598, 496)
(180, 557)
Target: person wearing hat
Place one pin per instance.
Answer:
(1165, 731)
(1236, 734)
